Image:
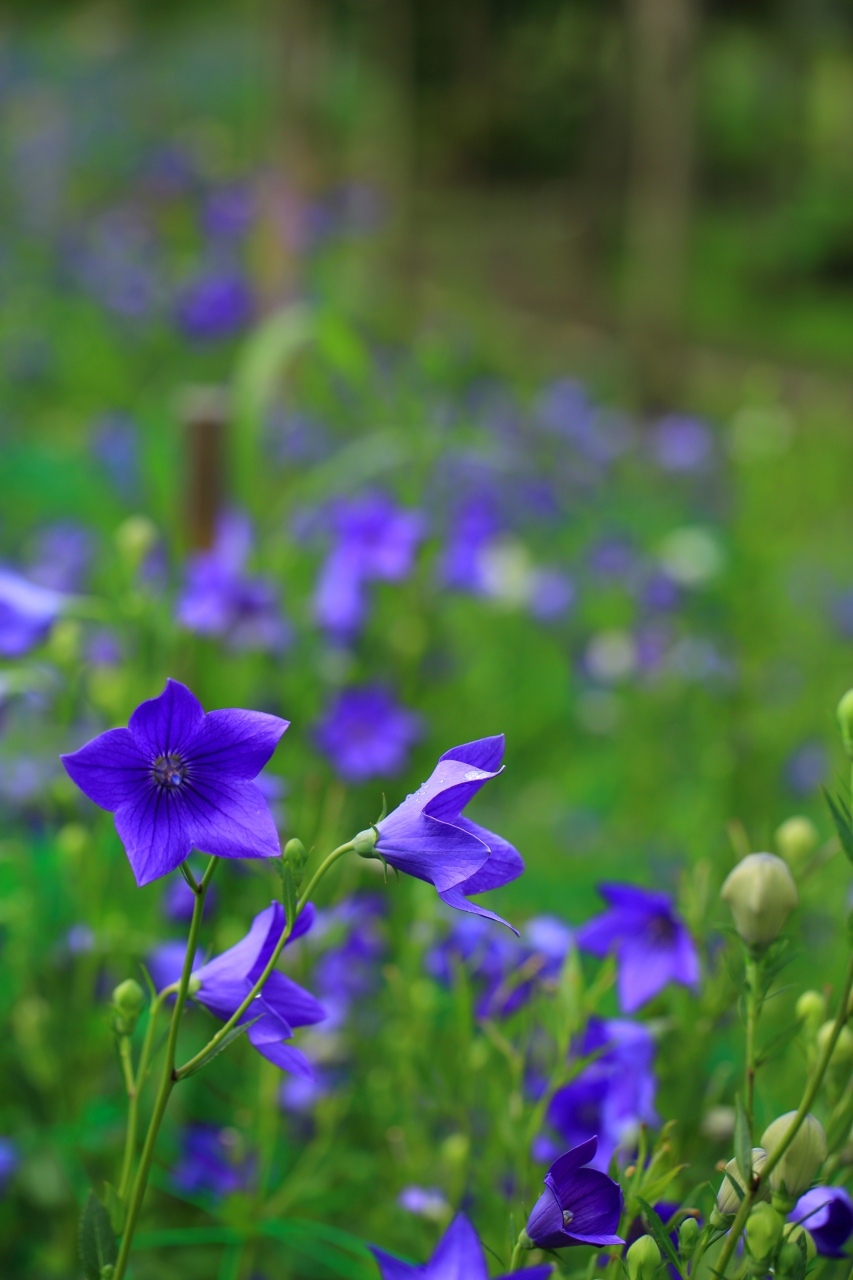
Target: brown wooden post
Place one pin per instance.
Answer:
(204, 413)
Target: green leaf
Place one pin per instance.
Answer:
(289, 895)
(97, 1239)
(214, 1050)
(743, 1141)
(778, 1043)
(840, 812)
(660, 1234)
(114, 1207)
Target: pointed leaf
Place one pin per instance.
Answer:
(778, 1043)
(97, 1241)
(743, 1141)
(114, 1207)
(660, 1234)
(215, 1050)
(841, 818)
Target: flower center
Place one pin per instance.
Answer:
(169, 771)
(567, 1217)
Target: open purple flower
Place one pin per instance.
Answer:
(177, 780)
(366, 734)
(579, 1205)
(427, 836)
(222, 985)
(652, 944)
(458, 1256)
(827, 1214)
(374, 540)
(27, 613)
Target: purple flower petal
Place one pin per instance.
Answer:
(230, 820)
(237, 742)
(154, 830)
(391, 1268)
(162, 725)
(110, 769)
(438, 852)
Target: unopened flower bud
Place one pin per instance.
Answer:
(797, 1168)
(844, 712)
(296, 857)
(194, 985)
(796, 839)
(764, 1228)
(135, 537)
(365, 843)
(842, 1054)
(761, 894)
(643, 1259)
(811, 1009)
(128, 999)
(688, 1237)
(728, 1200)
(791, 1262)
(797, 1234)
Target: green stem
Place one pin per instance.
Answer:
(167, 1080)
(189, 1067)
(517, 1255)
(130, 1085)
(809, 1096)
(135, 1087)
(752, 980)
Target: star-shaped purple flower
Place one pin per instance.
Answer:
(177, 780)
(651, 942)
(427, 836)
(827, 1214)
(579, 1206)
(458, 1256)
(222, 985)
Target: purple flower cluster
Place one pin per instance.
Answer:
(366, 734)
(219, 598)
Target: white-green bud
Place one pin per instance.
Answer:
(764, 1228)
(842, 1054)
(761, 894)
(728, 1200)
(295, 857)
(688, 1238)
(811, 1009)
(643, 1259)
(844, 712)
(798, 1167)
(128, 999)
(796, 839)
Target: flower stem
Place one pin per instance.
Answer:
(752, 1010)
(517, 1254)
(188, 1067)
(808, 1098)
(167, 1080)
(137, 1084)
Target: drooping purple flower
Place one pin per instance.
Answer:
(10, 1158)
(367, 734)
(427, 836)
(458, 1256)
(651, 942)
(681, 443)
(578, 1206)
(27, 613)
(213, 306)
(224, 982)
(612, 1096)
(208, 1162)
(827, 1214)
(61, 556)
(373, 540)
(177, 780)
(220, 598)
(178, 901)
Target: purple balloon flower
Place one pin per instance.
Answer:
(366, 734)
(428, 837)
(220, 599)
(177, 780)
(458, 1256)
(214, 306)
(208, 1162)
(612, 1096)
(222, 985)
(579, 1206)
(827, 1214)
(27, 613)
(374, 540)
(651, 942)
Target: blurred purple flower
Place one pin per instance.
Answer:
(228, 212)
(612, 557)
(612, 1096)
(552, 594)
(220, 599)
(178, 900)
(652, 944)
(61, 556)
(214, 306)
(80, 940)
(27, 613)
(807, 767)
(103, 648)
(348, 970)
(366, 734)
(177, 779)
(473, 527)
(115, 443)
(578, 1206)
(166, 962)
(458, 1256)
(680, 443)
(373, 540)
(426, 1202)
(10, 1158)
(660, 594)
(208, 1162)
(428, 837)
(827, 1214)
(300, 1094)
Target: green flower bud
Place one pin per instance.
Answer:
(761, 894)
(643, 1259)
(842, 1055)
(796, 839)
(194, 985)
(844, 712)
(296, 857)
(365, 843)
(797, 1168)
(128, 999)
(798, 1235)
(135, 537)
(728, 1200)
(764, 1229)
(811, 1009)
(791, 1262)
(688, 1237)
